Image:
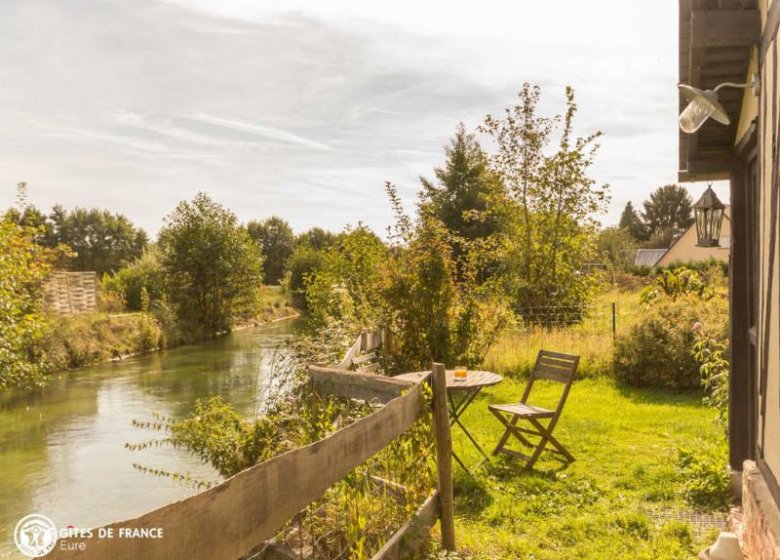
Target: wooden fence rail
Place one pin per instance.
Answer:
(233, 518)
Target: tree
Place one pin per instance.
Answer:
(548, 231)
(214, 267)
(466, 186)
(277, 241)
(24, 266)
(617, 247)
(669, 208)
(316, 238)
(633, 224)
(304, 263)
(101, 241)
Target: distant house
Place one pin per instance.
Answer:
(685, 250)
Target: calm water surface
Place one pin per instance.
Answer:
(62, 451)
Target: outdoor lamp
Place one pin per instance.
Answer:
(704, 103)
(709, 216)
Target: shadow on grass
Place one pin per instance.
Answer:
(650, 395)
(474, 492)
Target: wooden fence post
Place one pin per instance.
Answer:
(441, 425)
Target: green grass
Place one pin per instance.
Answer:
(627, 466)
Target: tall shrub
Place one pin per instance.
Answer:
(213, 265)
(657, 351)
(24, 265)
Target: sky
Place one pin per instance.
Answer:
(304, 108)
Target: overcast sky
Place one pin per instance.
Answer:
(303, 108)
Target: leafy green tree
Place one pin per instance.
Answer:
(549, 230)
(214, 267)
(24, 266)
(316, 238)
(465, 188)
(434, 305)
(304, 263)
(346, 287)
(617, 247)
(669, 208)
(633, 224)
(101, 241)
(277, 240)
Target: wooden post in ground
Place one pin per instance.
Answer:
(441, 425)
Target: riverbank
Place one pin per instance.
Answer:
(87, 339)
(63, 452)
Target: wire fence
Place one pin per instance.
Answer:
(589, 332)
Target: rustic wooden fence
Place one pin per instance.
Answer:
(241, 515)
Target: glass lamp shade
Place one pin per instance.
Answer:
(702, 105)
(695, 115)
(709, 218)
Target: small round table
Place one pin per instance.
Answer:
(469, 387)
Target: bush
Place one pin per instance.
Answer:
(302, 265)
(657, 351)
(705, 477)
(24, 266)
(145, 272)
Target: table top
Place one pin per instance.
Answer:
(474, 379)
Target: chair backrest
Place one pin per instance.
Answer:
(553, 366)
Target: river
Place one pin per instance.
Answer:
(62, 451)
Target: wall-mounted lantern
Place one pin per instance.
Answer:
(708, 211)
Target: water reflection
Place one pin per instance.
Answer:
(62, 450)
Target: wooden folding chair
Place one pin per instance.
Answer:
(551, 366)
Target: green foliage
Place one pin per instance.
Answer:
(435, 309)
(705, 476)
(145, 273)
(669, 208)
(101, 241)
(633, 224)
(214, 268)
(304, 263)
(711, 352)
(346, 287)
(276, 240)
(315, 238)
(466, 189)
(220, 436)
(616, 247)
(676, 282)
(24, 266)
(657, 350)
(548, 232)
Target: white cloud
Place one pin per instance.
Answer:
(286, 108)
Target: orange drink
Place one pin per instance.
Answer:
(460, 373)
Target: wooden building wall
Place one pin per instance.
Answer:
(768, 250)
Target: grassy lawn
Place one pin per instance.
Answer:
(603, 504)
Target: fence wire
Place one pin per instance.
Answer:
(356, 516)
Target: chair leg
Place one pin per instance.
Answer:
(505, 436)
(537, 452)
(546, 433)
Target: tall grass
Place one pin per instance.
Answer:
(592, 338)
